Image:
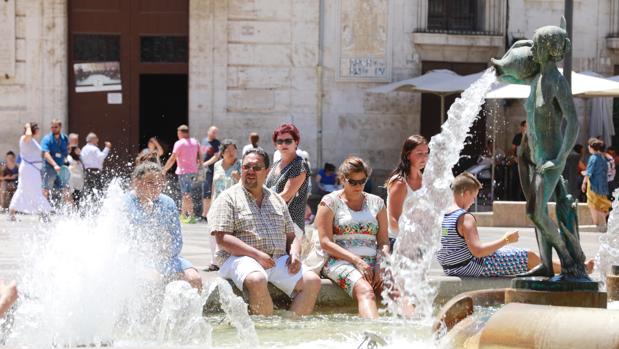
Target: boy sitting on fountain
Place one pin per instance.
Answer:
(463, 254)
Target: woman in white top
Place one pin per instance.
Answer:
(405, 179)
(76, 181)
(226, 173)
(28, 197)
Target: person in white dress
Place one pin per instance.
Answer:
(29, 197)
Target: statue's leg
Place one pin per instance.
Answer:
(525, 169)
(543, 186)
(535, 204)
(568, 225)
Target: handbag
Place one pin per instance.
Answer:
(313, 256)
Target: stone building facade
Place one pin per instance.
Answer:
(254, 64)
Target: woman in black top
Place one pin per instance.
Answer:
(289, 176)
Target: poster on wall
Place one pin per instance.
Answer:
(96, 77)
(364, 40)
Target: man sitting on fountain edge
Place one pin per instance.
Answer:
(251, 225)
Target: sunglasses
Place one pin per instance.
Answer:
(355, 182)
(256, 168)
(287, 141)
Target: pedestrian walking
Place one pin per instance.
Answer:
(76, 181)
(55, 147)
(92, 158)
(595, 184)
(186, 155)
(210, 149)
(9, 172)
(29, 197)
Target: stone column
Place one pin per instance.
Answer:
(54, 61)
(208, 60)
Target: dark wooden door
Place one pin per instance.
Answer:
(431, 112)
(145, 37)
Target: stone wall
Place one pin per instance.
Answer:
(254, 64)
(253, 67)
(591, 26)
(38, 90)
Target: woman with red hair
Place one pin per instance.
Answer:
(289, 176)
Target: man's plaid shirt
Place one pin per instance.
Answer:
(235, 212)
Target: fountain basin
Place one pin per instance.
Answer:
(523, 326)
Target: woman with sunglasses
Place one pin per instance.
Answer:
(404, 180)
(352, 226)
(289, 176)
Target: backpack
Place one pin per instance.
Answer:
(611, 168)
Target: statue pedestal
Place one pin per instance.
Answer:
(539, 290)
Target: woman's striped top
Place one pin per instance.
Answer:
(454, 255)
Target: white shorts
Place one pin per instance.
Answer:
(237, 269)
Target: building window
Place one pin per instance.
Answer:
(455, 15)
(96, 48)
(163, 49)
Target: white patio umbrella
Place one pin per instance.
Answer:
(590, 85)
(584, 85)
(441, 82)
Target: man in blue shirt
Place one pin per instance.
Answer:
(55, 147)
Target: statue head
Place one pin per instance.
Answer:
(550, 43)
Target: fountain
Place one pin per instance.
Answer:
(420, 225)
(527, 320)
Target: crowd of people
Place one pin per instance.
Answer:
(55, 169)
(257, 210)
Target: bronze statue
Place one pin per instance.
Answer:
(545, 147)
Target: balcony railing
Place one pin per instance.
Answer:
(462, 17)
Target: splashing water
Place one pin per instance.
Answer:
(236, 310)
(420, 223)
(608, 253)
(89, 281)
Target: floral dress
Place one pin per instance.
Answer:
(222, 179)
(356, 232)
